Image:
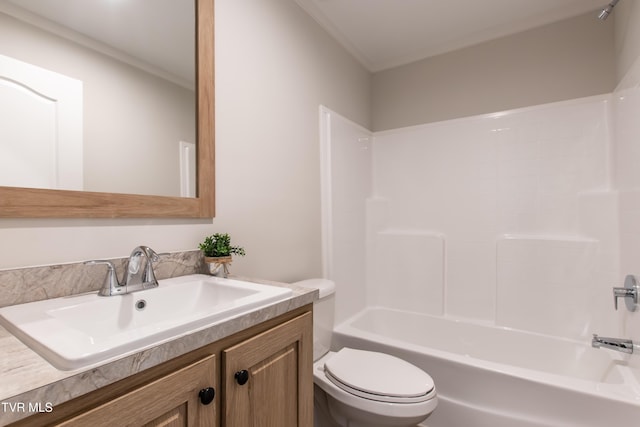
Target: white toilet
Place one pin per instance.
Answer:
(365, 388)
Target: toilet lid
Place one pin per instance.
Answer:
(378, 376)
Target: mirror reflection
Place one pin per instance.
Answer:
(98, 95)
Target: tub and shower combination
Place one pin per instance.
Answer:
(484, 251)
(488, 376)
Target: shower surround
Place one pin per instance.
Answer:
(517, 221)
(508, 219)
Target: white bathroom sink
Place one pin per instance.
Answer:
(79, 331)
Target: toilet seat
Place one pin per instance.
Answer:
(378, 376)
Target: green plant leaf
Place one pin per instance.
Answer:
(219, 244)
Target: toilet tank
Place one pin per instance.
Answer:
(323, 312)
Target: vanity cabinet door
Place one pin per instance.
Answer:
(174, 400)
(268, 379)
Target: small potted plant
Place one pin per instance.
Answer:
(217, 251)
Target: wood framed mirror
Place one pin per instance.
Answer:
(19, 202)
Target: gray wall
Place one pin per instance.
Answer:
(275, 65)
(627, 35)
(569, 59)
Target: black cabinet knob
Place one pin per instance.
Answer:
(206, 395)
(242, 377)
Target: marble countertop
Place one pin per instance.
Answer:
(28, 383)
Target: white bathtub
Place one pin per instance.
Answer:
(488, 376)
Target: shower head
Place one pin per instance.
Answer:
(604, 13)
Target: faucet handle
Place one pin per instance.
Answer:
(151, 254)
(111, 284)
(629, 292)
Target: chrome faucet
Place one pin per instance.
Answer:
(139, 273)
(141, 276)
(617, 344)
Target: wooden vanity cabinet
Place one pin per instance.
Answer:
(266, 378)
(170, 401)
(262, 376)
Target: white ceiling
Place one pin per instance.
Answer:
(157, 32)
(383, 34)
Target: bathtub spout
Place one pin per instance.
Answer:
(617, 344)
